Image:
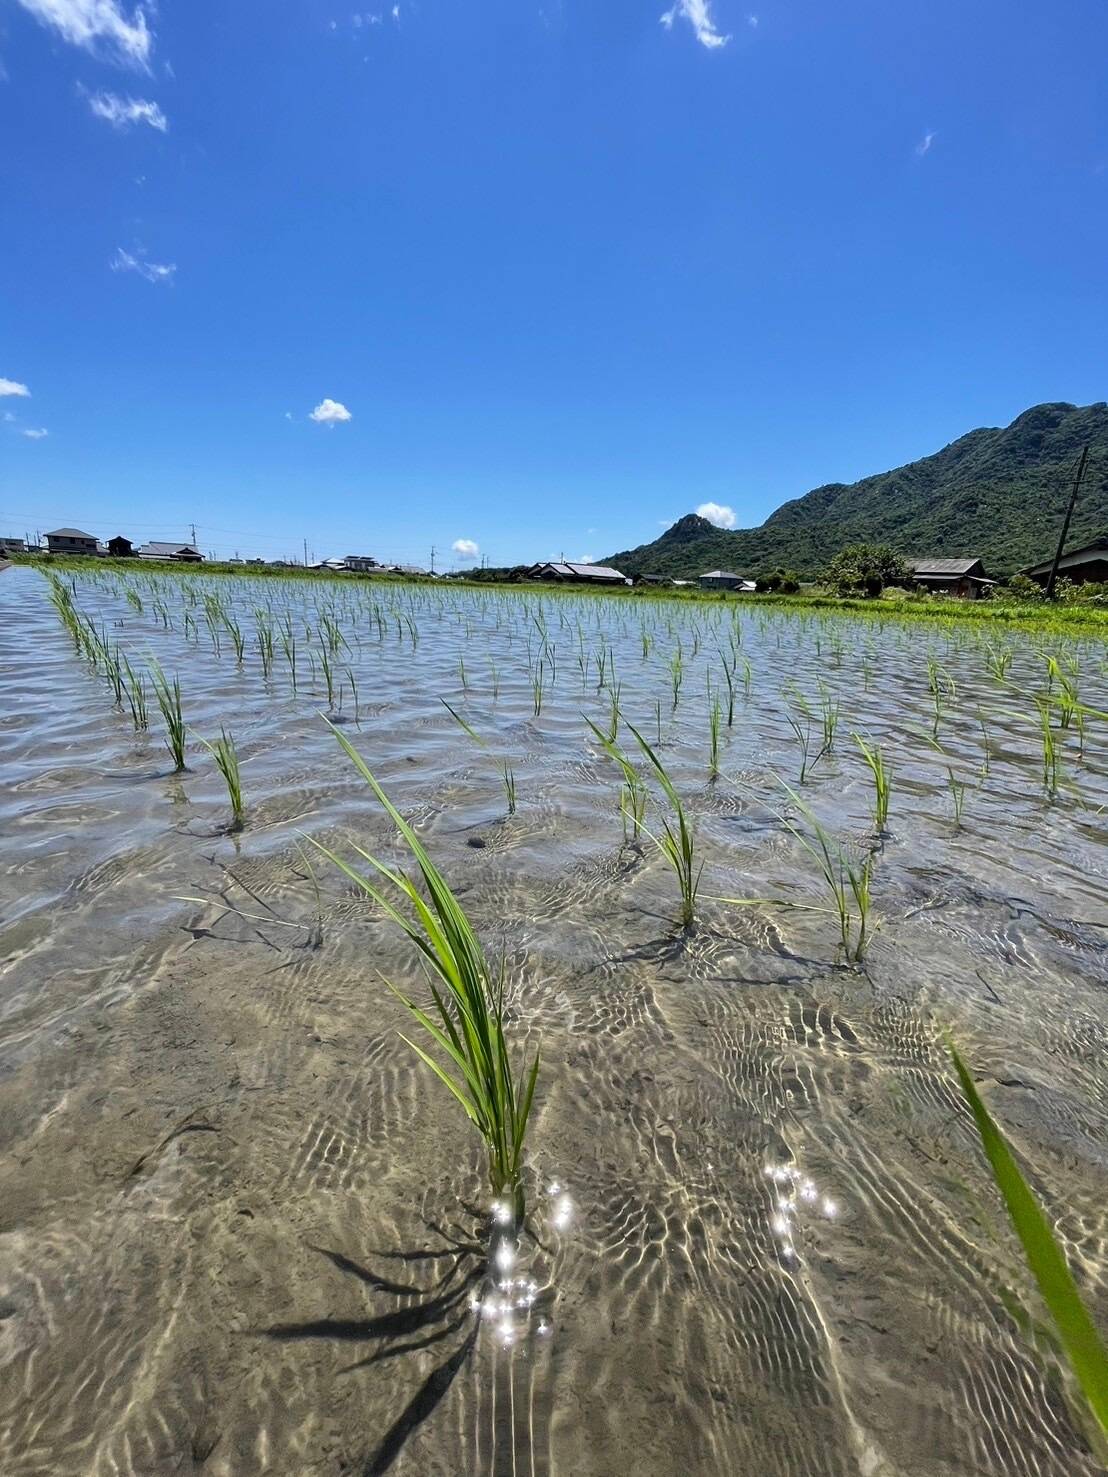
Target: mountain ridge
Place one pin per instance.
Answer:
(996, 493)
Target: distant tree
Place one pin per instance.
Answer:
(1023, 588)
(778, 582)
(865, 569)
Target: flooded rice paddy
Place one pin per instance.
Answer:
(243, 1230)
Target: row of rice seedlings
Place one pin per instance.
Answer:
(467, 1022)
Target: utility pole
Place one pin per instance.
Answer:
(192, 530)
(305, 553)
(434, 551)
(1078, 477)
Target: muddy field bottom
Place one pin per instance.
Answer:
(242, 1227)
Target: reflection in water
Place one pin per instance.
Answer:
(796, 1195)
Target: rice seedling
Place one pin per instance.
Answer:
(1077, 1334)
(1050, 757)
(467, 1021)
(265, 647)
(463, 679)
(829, 719)
(288, 647)
(134, 599)
(714, 720)
(613, 715)
(676, 841)
(729, 679)
(846, 877)
(354, 695)
(226, 757)
(632, 795)
(882, 782)
(168, 695)
(135, 689)
(537, 688)
(328, 674)
(800, 721)
(238, 640)
(509, 776)
(986, 752)
(676, 673)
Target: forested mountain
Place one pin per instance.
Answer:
(996, 494)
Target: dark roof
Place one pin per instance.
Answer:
(583, 571)
(166, 551)
(1098, 549)
(69, 533)
(948, 568)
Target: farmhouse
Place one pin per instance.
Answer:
(589, 574)
(180, 553)
(962, 577)
(724, 579)
(120, 547)
(70, 541)
(1085, 566)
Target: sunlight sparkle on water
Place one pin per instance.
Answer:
(796, 1192)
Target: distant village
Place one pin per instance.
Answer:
(964, 578)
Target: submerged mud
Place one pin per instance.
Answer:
(243, 1230)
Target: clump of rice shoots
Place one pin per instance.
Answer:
(466, 1022)
(226, 757)
(882, 782)
(676, 840)
(135, 688)
(168, 695)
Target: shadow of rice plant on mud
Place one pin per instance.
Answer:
(441, 1316)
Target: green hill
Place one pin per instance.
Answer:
(997, 495)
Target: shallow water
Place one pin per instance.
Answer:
(241, 1230)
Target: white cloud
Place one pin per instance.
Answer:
(585, 559)
(717, 513)
(330, 412)
(465, 549)
(698, 13)
(36, 435)
(93, 24)
(924, 145)
(122, 112)
(752, 22)
(127, 261)
(13, 387)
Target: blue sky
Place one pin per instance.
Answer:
(573, 267)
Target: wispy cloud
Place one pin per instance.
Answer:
(698, 13)
(585, 559)
(98, 25)
(466, 549)
(924, 145)
(124, 112)
(36, 435)
(717, 513)
(135, 261)
(330, 413)
(13, 387)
